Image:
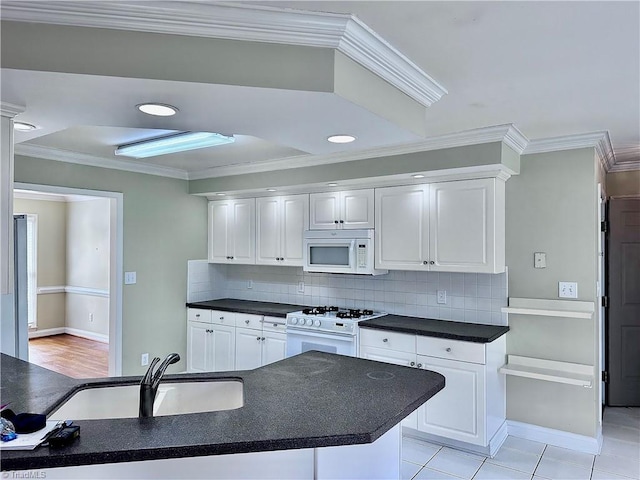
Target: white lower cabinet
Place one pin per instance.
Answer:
(470, 411)
(222, 341)
(210, 347)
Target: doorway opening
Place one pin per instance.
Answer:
(77, 329)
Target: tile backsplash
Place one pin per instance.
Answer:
(470, 297)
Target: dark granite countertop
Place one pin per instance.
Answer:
(310, 400)
(468, 332)
(248, 306)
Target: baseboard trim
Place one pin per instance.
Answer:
(47, 332)
(488, 451)
(557, 438)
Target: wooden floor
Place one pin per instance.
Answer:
(75, 357)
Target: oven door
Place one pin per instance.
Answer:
(330, 255)
(300, 341)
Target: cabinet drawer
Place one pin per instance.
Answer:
(198, 315)
(223, 318)
(402, 342)
(274, 324)
(247, 320)
(451, 349)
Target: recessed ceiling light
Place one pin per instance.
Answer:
(342, 138)
(418, 175)
(221, 194)
(332, 184)
(23, 127)
(271, 190)
(157, 109)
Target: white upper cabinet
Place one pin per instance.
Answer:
(280, 223)
(453, 226)
(467, 226)
(402, 232)
(342, 210)
(232, 231)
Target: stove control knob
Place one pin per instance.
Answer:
(316, 323)
(294, 320)
(303, 321)
(309, 322)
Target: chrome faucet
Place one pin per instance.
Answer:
(150, 382)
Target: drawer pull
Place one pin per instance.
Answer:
(412, 364)
(197, 315)
(247, 322)
(258, 338)
(385, 340)
(419, 365)
(448, 349)
(275, 325)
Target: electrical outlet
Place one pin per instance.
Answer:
(300, 287)
(442, 296)
(91, 317)
(144, 359)
(249, 284)
(567, 290)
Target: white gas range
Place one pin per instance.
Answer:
(327, 329)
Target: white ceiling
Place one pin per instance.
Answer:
(551, 68)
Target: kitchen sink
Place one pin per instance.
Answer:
(173, 398)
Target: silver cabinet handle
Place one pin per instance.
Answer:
(448, 349)
(221, 318)
(432, 262)
(419, 365)
(412, 364)
(263, 339)
(341, 221)
(258, 338)
(335, 221)
(425, 263)
(385, 340)
(247, 322)
(275, 325)
(197, 315)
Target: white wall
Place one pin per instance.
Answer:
(88, 257)
(474, 298)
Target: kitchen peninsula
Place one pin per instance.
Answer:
(292, 408)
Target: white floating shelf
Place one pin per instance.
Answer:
(549, 370)
(550, 308)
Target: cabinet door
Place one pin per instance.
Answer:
(294, 221)
(248, 349)
(402, 227)
(274, 347)
(458, 410)
(199, 354)
(397, 358)
(324, 210)
(463, 226)
(357, 209)
(268, 213)
(224, 347)
(243, 237)
(220, 215)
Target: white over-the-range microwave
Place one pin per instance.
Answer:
(340, 251)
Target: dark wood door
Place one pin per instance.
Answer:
(623, 332)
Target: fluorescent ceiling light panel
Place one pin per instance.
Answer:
(180, 142)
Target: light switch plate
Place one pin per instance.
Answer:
(300, 287)
(442, 296)
(129, 278)
(539, 260)
(567, 289)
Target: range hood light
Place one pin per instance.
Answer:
(180, 142)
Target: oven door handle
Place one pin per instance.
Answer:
(312, 333)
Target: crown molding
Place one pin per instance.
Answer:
(56, 154)
(10, 110)
(343, 32)
(598, 140)
(477, 136)
(625, 166)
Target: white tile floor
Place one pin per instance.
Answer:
(523, 459)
